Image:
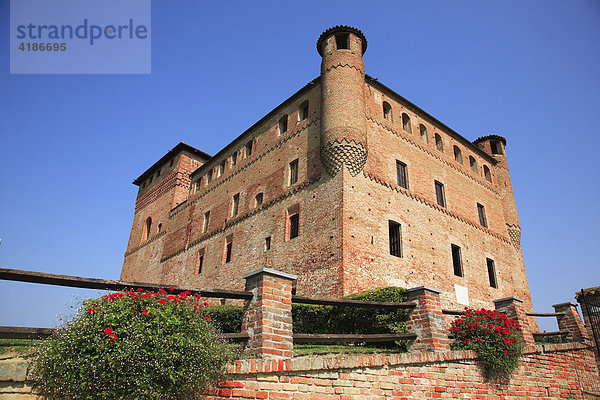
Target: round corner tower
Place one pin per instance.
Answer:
(495, 146)
(343, 120)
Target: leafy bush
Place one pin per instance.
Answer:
(227, 318)
(132, 345)
(341, 319)
(497, 340)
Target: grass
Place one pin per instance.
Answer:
(314, 349)
(21, 347)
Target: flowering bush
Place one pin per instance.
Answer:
(496, 339)
(133, 345)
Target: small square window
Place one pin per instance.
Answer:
(395, 239)
(303, 112)
(268, 243)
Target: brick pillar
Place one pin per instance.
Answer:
(570, 322)
(513, 308)
(427, 320)
(268, 316)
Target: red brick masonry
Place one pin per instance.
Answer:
(553, 371)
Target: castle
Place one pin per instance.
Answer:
(345, 184)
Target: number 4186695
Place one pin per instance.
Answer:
(43, 46)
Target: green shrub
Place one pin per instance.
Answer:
(497, 340)
(227, 318)
(345, 320)
(132, 345)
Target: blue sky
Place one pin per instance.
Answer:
(70, 145)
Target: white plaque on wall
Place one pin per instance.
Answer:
(462, 294)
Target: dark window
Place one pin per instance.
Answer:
(235, 205)
(249, 149)
(158, 173)
(148, 227)
(487, 173)
(234, 159)
(491, 272)
(258, 200)
(200, 261)
(150, 180)
(209, 177)
(206, 220)
(159, 228)
(473, 163)
(268, 243)
(171, 163)
(438, 142)
(342, 41)
(283, 122)
(439, 194)
(228, 252)
(406, 122)
(294, 225)
(401, 172)
(303, 111)
(496, 148)
(481, 211)
(423, 130)
(456, 261)
(294, 172)
(395, 243)
(222, 167)
(458, 155)
(387, 111)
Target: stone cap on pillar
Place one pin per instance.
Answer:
(424, 289)
(568, 303)
(270, 272)
(507, 299)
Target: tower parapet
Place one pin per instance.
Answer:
(343, 122)
(495, 145)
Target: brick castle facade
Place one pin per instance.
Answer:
(345, 184)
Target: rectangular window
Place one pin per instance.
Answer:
(200, 262)
(293, 172)
(395, 239)
(222, 167)
(491, 272)
(205, 223)
(249, 149)
(235, 205)
(294, 225)
(268, 243)
(228, 248)
(456, 260)
(481, 211)
(234, 159)
(209, 177)
(401, 172)
(439, 194)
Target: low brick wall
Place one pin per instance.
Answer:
(559, 371)
(546, 372)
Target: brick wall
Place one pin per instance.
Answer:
(545, 372)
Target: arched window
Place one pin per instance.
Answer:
(387, 111)
(283, 122)
(458, 155)
(487, 173)
(423, 131)
(249, 149)
(148, 227)
(473, 163)
(159, 230)
(438, 142)
(303, 111)
(496, 148)
(406, 122)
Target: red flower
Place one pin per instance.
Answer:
(467, 341)
(107, 331)
(113, 337)
(91, 311)
(145, 311)
(140, 289)
(162, 291)
(171, 288)
(505, 352)
(162, 302)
